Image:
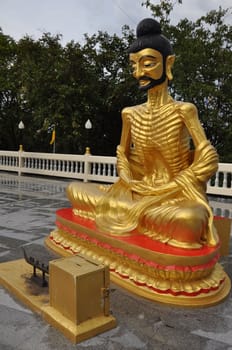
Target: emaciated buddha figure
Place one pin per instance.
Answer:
(161, 187)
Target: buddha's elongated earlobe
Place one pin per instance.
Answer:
(169, 64)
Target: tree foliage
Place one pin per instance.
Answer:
(202, 71)
(45, 83)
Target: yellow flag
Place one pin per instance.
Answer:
(53, 137)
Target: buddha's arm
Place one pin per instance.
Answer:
(123, 149)
(205, 161)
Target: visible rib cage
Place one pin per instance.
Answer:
(160, 139)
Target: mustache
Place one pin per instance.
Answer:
(145, 78)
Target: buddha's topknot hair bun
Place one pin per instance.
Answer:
(149, 35)
(148, 26)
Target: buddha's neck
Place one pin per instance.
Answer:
(158, 96)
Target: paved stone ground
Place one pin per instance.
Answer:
(27, 214)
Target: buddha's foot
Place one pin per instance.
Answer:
(171, 241)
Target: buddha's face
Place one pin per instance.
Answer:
(148, 68)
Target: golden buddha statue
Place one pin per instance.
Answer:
(153, 227)
(161, 188)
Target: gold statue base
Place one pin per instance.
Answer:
(16, 277)
(151, 269)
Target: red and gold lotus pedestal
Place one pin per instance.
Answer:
(156, 271)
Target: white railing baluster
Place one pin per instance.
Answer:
(99, 168)
(104, 170)
(81, 167)
(217, 180)
(224, 184)
(94, 169)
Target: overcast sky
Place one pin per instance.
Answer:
(73, 18)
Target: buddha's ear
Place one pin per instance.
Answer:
(169, 64)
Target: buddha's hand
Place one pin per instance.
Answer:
(148, 181)
(126, 177)
(146, 190)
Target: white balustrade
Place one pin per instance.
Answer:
(221, 183)
(91, 168)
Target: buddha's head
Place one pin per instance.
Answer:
(151, 55)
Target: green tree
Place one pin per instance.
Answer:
(115, 88)
(202, 71)
(38, 65)
(44, 83)
(9, 94)
(68, 85)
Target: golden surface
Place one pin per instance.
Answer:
(164, 258)
(83, 282)
(203, 300)
(164, 162)
(16, 277)
(223, 227)
(154, 284)
(161, 187)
